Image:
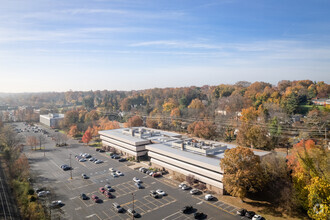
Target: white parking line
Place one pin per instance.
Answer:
(90, 216)
(171, 215)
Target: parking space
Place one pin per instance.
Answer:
(178, 216)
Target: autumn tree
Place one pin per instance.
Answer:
(135, 121)
(311, 177)
(71, 118)
(73, 132)
(242, 172)
(151, 123)
(202, 129)
(87, 137)
(196, 104)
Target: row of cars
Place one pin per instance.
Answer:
(83, 157)
(190, 209)
(150, 172)
(249, 214)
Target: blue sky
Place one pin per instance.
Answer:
(48, 45)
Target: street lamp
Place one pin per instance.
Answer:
(70, 168)
(133, 205)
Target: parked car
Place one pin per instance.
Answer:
(241, 212)
(101, 151)
(258, 217)
(199, 215)
(154, 194)
(137, 180)
(108, 194)
(115, 156)
(102, 189)
(250, 214)
(122, 160)
(112, 169)
(114, 174)
(109, 188)
(65, 167)
(84, 197)
(194, 191)
(133, 213)
(98, 161)
(82, 160)
(185, 187)
(43, 193)
(96, 199)
(187, 209)
(117, 207)
(181, 185)
(84, 176)
(97, 149)
(151, 173)
(138, 185)
(56, 204)
(92, 159)
(119, 173)
(209, 197)
(160, 192)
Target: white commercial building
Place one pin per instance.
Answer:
(167, 150)
(51, 120)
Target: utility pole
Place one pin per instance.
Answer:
(45, 151)
(70, 168)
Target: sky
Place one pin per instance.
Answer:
(62, 45)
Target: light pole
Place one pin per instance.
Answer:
(133, 206)
(70, 168)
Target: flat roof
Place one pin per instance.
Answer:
(117, 134)
(193, 158)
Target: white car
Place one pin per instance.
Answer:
(257, 217)
(43, 193)
(119, 173)
(112, 169)
(209, 197)
(98, 161)
(181, 185)
(194, 191)
(114, 174)
(137, 180)
(82, 160)
(160, 192)
(185, 187)
(57, 203)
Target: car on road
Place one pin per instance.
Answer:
(138, 185)
(84, 176)
(160, 192)
(122, 160)
(56, 204)
(98, 161)
(83, 196)
(111, 169)
(137, 180)
(241, 212)
(133, 213)
(257, 217)
(96, 199)
(200, 215)
(108, 194)
(117, 207)
(194, 191)
(43, 193)
(250, 214)
(65, 167)
(154, 194)
(109, 188)
(119, 173)
(102, 189)
(209, 197)
(114, 174)
(187, 209)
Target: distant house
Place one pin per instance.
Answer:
(221, 112)
(51, 120)
(321, 101)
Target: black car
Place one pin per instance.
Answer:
(250, 214)
(122, 160)
(241, 212)
(84, 197)
(199, 215)
(65, 167)
(115, 156)
(154, 194)
(101, 151)
(187, 209)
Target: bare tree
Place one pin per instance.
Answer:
(32, 141)
(190, 179)
(41, 140)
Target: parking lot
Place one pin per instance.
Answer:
(48, 173)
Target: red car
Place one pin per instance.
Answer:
(96, 199)
(156, 175)
(108, 194)
(102, 189)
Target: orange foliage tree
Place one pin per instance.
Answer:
(202, 129)
(134, 121)
(87, 137)
(73, 132)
